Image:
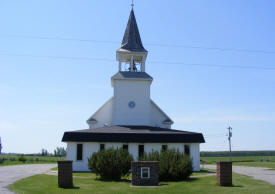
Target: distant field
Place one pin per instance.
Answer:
(237, 153)
(257, 161)
(10, 159)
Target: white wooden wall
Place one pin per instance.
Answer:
(90, 147)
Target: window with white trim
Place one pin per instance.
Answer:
(145, 172)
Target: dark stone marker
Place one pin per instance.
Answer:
(145, 173)
(224, 173)
(65, 174)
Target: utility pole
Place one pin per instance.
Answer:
(229, 140)
(0, 145)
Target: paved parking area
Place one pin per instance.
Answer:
(11, 174)
(258, 173)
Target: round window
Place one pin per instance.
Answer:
(131, 104)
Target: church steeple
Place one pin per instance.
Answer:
(131, 39)
(131, 54)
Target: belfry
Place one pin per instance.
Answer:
(132, 51)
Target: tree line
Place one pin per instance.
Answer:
(236, 153)
(59, 151)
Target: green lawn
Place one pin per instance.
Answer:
(92, 175)
(87, 183)
(257, 161)
(203, 172)
(55, 169)
(256, 164)
(11, 159)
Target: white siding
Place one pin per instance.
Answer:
(176, 146)
(90, 147)
(117, 112)
(133, 149)
(158, 116)
(131, 90)
(149, 147)
(195, 155)
(103, 115)
(127, 116)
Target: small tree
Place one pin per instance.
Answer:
(110, 164)
(173, 165)
(21, 158)
(44, 152)
(60, 151)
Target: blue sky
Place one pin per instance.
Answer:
(41, 95)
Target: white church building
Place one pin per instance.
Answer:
(130, 119)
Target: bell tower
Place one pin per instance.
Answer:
(131, 56)
(131, 102)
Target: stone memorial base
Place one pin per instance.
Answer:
(224, 173)
(65, 174)
(145, 173)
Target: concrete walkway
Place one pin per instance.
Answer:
(11, 174)
(258, 173)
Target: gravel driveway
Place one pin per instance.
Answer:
(259, 173)
(10, 174)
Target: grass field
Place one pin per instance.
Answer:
(10, 159)
(257, 161)
(88, 183)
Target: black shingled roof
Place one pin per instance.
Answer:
(131, 39)
(135, 134)
(132, 75)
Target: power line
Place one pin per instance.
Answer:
(149, 44)
(215, 48)
(212, 65)
(61, 39)
(57, 57)
(156, 62)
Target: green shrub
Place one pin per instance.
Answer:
(110, 164)
(173, 165)
(22, 159)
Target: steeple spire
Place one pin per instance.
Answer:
(131, 39)
(131, 55)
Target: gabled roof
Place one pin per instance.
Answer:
(132, 75)
(167, 121)
(91, 119)
(131, 39)
(133, 134)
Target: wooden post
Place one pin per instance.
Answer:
(65, 174)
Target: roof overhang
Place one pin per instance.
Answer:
(133, 134)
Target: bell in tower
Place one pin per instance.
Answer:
(131, 55)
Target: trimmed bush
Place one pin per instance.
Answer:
(22, 159)
(173, 165)
(110, 164)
